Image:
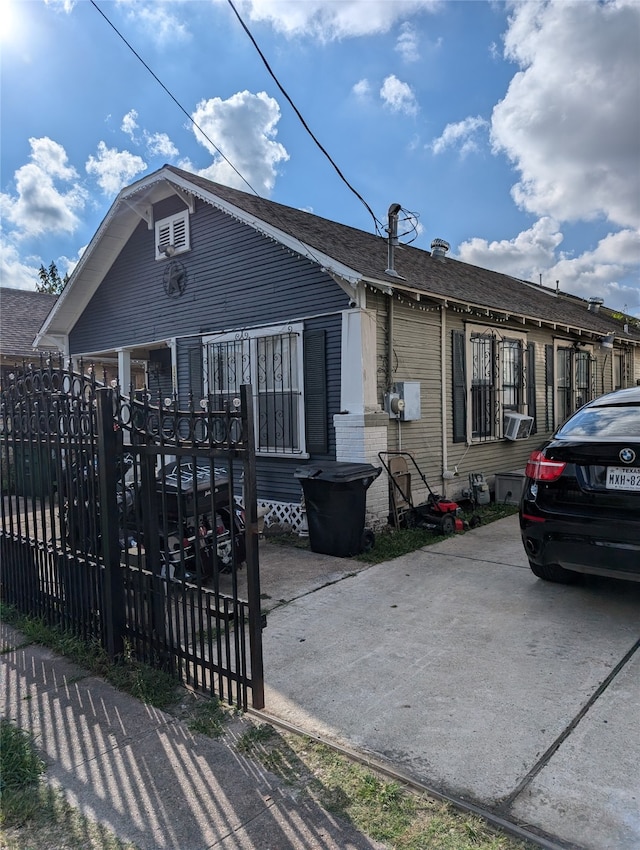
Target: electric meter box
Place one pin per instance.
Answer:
(409, 392)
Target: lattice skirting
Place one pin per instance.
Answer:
(282, 513)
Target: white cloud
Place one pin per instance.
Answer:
(570, 121)
(328, 20)
(114, 169)
(603, 271)
(17, 272)
(130, 123)
(460, 135)
(362, 88)
(531, 252)
(40, 205)
(243, 127)
(398, 96)
(407, 43)
(158, 20)
(159, 144)
(61, 5)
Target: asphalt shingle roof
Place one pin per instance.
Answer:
(22, 313)
(421, 272)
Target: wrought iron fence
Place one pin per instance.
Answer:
(121, 521)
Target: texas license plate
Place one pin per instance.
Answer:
(622, 478)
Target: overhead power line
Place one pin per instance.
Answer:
(302, 121)
(172, 96)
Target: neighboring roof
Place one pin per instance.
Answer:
(22, 313)
(349, 254)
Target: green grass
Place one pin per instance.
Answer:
(33, 815)
(393, 542)
(208, 717)
(382, 809)
(150, 685)
(20, 770)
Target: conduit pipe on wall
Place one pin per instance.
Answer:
(443, 388)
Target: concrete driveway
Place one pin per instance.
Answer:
(459, 668)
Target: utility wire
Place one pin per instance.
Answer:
(377, 223)
(306, 247)
(173, 98)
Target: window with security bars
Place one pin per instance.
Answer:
(483, 386)
(575, 379)
(272, 364)
(492, 375)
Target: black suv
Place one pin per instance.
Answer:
(580, 506)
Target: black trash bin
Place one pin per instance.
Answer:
(335, 496)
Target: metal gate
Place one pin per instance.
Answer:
(134, 524)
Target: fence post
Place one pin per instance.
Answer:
(114, 599)
(151, 534)
(253, 565)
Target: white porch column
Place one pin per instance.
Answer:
(361, 426)
(358, 387)
(124, 370)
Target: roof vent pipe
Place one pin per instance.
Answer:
(392, 230)
(439, 248)
(595, 304)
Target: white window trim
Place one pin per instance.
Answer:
(256, 333)
(171, 222)
(487, 330)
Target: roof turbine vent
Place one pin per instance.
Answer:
(439, 248)
(595, 304)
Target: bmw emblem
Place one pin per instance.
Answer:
(627, 455)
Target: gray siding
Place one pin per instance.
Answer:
(236, 278)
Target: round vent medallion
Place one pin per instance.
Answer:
(174, 279)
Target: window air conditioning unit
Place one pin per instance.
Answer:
(517, 426)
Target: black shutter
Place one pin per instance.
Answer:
(531, 385)
(315, 392)
(459, 388)
(549, 417)
(196, 383)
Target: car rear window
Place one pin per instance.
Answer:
(604, 422)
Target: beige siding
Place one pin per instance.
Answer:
(417, 357)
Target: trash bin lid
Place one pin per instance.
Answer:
(338, 471)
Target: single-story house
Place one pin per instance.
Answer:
(353, 344)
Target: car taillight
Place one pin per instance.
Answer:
(541, 468)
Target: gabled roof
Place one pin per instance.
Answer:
(349, 254)
(22, 313)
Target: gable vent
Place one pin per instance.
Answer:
(172, 235)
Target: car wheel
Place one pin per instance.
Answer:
(553, 572)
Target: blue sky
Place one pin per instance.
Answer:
(511, 129)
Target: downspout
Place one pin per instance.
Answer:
(443, 387)
(389, 342)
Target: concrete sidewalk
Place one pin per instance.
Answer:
(461, 669)
(453, 665)
(144, 775)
